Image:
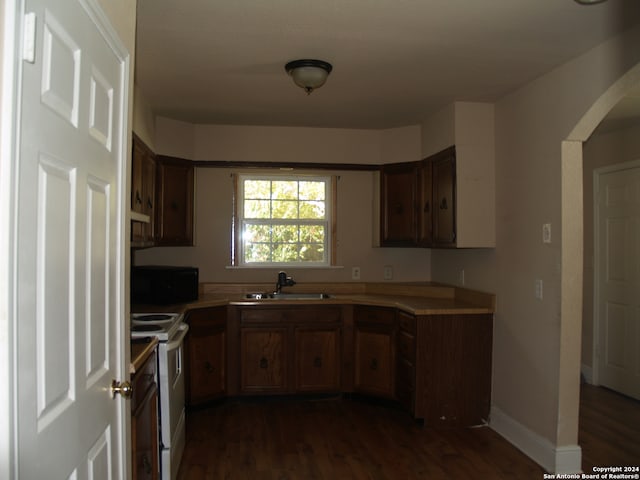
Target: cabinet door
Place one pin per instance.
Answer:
(374, 365)
(317, 359)
(149, 193)
(205, 354)
(174, 216)
(143, 180)
(398, 191)
(144, 422)
(263, 359)
(406, 361)
(444, 199)
(425, 204)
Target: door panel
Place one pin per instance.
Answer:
(618, 280)
(70, 223)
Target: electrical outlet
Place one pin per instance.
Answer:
(355, 273)
(388, 272)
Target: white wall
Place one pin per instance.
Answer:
(535, 395)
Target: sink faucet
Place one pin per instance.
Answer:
(284, 281)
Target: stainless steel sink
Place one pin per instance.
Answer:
(286, 296)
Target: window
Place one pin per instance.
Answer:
(283, 220)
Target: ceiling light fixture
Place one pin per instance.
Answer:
(309, 74)
(589, 2)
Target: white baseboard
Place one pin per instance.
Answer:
(565, 459)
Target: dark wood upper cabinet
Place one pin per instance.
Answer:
(143, 192)
(174, 214)
(399, 195)
(443, 168)
(418, 202)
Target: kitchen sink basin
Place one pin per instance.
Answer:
(286, 296)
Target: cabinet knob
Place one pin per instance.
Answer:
(374, 364)
(208, 367)
(138, 197)
(443, 204)
(317, 362)
(264, 363)
(149, 203)
(398, 208)
(147, 465)
(426, 207)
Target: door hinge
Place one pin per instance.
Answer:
(29, 38)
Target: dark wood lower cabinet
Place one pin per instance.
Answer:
(438, 367)
(453, 369)
(317, 362)
(144, 421)
(286, 349)
(206, 347)
(263, 362)
(374, 329)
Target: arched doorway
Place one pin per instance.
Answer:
(572, 254)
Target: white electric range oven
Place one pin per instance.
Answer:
(170, 329)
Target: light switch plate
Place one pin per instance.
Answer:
(546, 233)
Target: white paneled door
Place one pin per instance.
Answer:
(69, 265)
(617, 258)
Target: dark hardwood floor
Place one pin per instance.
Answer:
(340, 438)
(609, 429)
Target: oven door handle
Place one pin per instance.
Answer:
(177, 340)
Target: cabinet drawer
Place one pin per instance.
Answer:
(288, 315)
(374, 315)
(144, 380)
(407, 322)
(407, 346)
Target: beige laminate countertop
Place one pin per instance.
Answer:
(422, 299)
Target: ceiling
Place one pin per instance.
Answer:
(394, 61)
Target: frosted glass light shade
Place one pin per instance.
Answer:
(309, 74)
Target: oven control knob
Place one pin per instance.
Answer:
(123, 388)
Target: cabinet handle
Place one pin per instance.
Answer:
(374, 364)
(443, 204)
(138, 197)
(426, 207)
(149, 204)
(146, 464)
(208, 367)
(264, 363)
(317, 362)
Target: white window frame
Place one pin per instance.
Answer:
(329, 222)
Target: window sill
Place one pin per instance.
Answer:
(283, 267)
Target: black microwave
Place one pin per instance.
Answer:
(163, 285)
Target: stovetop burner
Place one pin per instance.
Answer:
(153, 317)
(147, 328)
